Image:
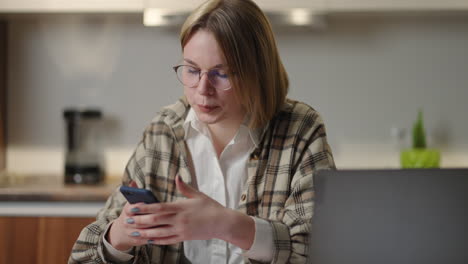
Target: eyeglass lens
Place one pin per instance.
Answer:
(190, 76)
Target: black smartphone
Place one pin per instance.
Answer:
(137, 195)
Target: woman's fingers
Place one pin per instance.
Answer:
(156, 235)
(158, 232)
(149, 220)
(186, 190)
(155, 208)
(194, 218)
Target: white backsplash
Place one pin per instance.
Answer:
(366, 76)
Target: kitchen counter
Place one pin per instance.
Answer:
(46, 195)
(46, 188)
(49, 209)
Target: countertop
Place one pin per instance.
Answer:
(47, 195)
(51, 188)
(49, 209)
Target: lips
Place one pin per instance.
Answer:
(207, 108)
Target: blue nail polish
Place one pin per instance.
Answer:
(130, 221)
(150, 241)
(135, 210)
(135, 234)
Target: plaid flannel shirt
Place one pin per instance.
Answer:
(279, 185)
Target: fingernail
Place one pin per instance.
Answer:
(135, 210)
(150, 241)
(130, 221)
(135, 234)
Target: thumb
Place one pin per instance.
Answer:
(133, 184)
(186, 190)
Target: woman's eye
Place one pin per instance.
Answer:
(220, 74)
(192, 70)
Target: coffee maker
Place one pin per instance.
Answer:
(83, 160)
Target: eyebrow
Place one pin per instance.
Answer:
(195, 64)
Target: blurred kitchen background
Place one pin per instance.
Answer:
(367, 73)
(366, 66)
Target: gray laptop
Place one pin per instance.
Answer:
(390, 216)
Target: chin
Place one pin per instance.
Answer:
(208, 120)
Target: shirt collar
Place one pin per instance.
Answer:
(191, 121)
(253, 133)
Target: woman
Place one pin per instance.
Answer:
(231, 162)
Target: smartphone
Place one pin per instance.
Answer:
(137, 195)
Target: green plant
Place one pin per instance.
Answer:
(419, 135)
(419, 156)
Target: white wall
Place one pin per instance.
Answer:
(364, 74)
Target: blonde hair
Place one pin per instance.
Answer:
(244, 34)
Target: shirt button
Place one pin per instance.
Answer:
(243, 197)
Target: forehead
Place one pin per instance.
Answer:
(203, 50)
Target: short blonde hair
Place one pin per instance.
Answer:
(244, 34)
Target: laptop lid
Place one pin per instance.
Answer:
(417, 216)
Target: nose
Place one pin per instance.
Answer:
(204, 86)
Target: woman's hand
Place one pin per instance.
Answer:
(120, 233)
(197, 218)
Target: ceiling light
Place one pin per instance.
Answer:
(300, 17)
(155, 17)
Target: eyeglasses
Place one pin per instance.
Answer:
(190, 76)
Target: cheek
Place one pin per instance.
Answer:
(230, 99)
(189, 95)
(230, 102)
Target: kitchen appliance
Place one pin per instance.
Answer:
(83, 161)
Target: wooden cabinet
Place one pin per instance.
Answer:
(40, 240)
